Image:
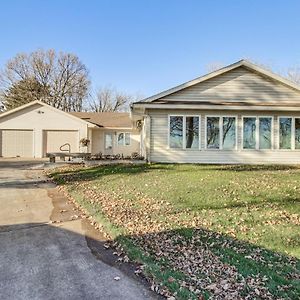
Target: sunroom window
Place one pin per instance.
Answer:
(229, 133)
(249, 133)
(213, 132)
(176, 132)
(285, 133)
(265, 133)
(192, 132)
(297, 133)
(184, 132)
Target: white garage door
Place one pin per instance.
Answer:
(16, 143)
(54, 139)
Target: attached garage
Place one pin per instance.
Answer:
(36, 128)
(60, 140)
(16, 143)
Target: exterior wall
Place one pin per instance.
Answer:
(98, 142)
(160, 151)
(238, 85)
(39, 118)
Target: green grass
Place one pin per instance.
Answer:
(244, 207)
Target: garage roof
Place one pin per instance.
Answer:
(106, 119)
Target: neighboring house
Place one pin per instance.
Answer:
(36, 128)
(239, 114)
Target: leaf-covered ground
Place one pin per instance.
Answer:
(219, 232)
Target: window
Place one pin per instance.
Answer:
(184, 132)
(249, 133)
(124, 139)
(108, 141)
(192, 132)
(221, 133)
(285, 133)
(265, 133)
(213, 132)
(121, 139)
(229, 133)
(176, 129)
(257, 133)
(297, 133)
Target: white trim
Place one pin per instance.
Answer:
(184, 116)
(241, 63)
(221, 116)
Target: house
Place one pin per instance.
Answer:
(34, 129)
(238, 114)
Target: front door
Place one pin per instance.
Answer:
(108, 143)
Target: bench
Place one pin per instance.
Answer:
(62, 155)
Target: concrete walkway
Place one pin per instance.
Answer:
(44, 249)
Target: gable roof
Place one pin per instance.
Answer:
(106, 119)
(32, 103)
(242, 63)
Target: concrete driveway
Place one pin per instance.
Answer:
(46, 250)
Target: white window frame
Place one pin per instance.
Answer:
(124, 134)
(292, 133)
(184, 116)
(221, 132)
(257, 133)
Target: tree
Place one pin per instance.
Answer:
(24, 91)
(62, 75)
(110, 99)
(293, 74)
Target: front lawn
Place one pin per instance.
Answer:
(226, 232)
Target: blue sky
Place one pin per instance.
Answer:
(147, 46)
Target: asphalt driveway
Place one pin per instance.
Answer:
(45, 247)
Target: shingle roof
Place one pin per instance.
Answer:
(106, 119)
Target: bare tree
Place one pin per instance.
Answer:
(293, 74)
(110, 99)
(63, 75)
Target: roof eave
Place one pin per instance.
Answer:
(217, 107)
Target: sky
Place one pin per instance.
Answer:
(144, 47)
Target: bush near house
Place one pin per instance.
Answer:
(200, 231)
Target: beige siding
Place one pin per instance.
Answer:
(160, 152)
(238, 85)
(98, 142)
